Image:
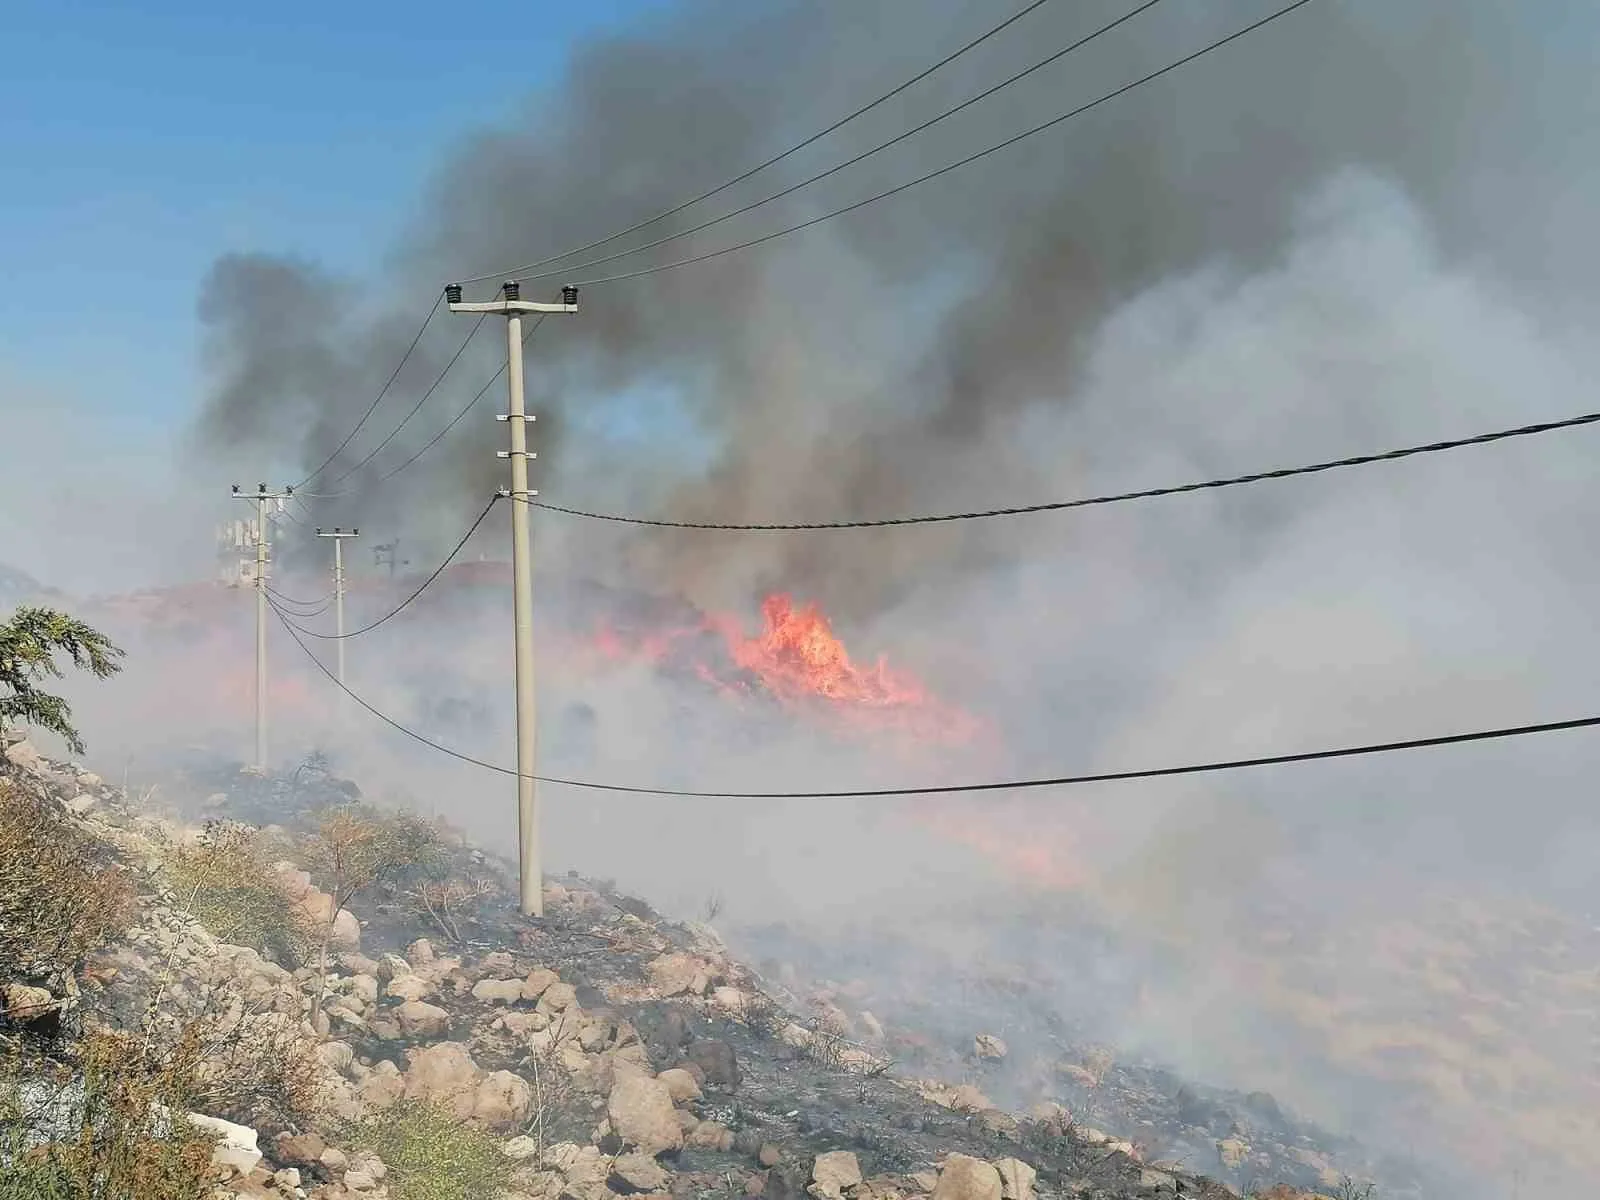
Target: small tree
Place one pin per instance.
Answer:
(353, 849)
(29, 642)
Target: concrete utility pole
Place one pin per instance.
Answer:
(338, 536)
(262, 499)
(511, 305)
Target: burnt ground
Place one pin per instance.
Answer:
(784, 1095)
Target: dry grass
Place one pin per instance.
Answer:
(101, 1125)
(61, 897)
(224, 880)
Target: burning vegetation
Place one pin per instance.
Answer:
(797, 662)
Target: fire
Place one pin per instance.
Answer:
(797, 660)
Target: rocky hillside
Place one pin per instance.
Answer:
(447, 1047)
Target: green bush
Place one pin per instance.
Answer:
(431, 1155)
(225, 882)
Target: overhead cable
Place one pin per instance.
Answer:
(319, 604)
(850, 162)
(775, 159)
(1091, 501)
(527, 336)
(383, 391)
(1216, 765)
(971, 158)
(426, 583)
(404, 421)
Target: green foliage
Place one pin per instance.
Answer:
(431, 1155)
(58, 901)
(29, 642)
(224, 881)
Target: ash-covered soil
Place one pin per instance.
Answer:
(852, 1047)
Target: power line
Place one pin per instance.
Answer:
(971, 158)
(1234, 764)
(777, 158)
(455, 420)
(383, 391)
(319, 605)
(426, 583)
(1114, 498)
(415, 409)
(850, 162)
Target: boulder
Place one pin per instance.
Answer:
(419, 952)
(641, 1113)
(503, 1101)
(558, 998)
(419, 1019)
(632, 1173)
(680, 1084)
(521, 1147)
(392, 966)
(336, 1056)
(966, 1178)
(444, 1074)
(708, 1135)
(1016, 1179)
(498, 962)
(79, 805)
(674, 974)
(335, 1160)
(537, 981)
(730, 1000)
(24, 1004)
(497, 991)
(717, 1060)
(832, 1173)
(409, 987)
(23, 754)
(235, 1144)
(383, 1086)
(300, 1149)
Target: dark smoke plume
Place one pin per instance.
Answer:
(1366, 226)
(879, 365)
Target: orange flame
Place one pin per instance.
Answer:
(799, 661)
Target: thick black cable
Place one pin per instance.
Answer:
(850, 162)
(1113, 498)
(383, 391)
(319, 605)
(971, 158)
(405, 420)
(426, 583)
(774, 160)
(1232, 764)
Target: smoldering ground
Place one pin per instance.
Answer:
(1360, 228)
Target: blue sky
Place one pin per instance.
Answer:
(138, 142)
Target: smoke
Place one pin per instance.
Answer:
(1362, 227)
